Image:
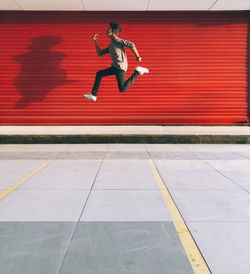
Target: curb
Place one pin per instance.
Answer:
(135, 139)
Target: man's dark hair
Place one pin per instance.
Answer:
(115, 27)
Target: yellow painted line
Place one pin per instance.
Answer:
(23, 180)
(195, 258)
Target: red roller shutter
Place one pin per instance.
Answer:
(197, 62)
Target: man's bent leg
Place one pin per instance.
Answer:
(123, 85)
(98, 78)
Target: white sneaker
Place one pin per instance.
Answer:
(89, 97)
(142, 70)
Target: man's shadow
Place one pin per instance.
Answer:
(40, 70)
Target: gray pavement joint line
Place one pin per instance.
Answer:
(61, 152)
(179, 212)
(83, 5)
(238, 154)
(84, 206)
(204, 161)
(148, 5)
(213, 4)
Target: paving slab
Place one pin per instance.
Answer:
(232, 165)
(244, 154)
(173, 155)
(43, 205)
(20, 165)
(125, 180)
(126, 248)
(60, 180)
(127, 147)
(213, 205)
(8, 178)
(119, 155)
(125, 205)
(88, 147)
(218, 155)
(82, 155)
(34, 155)
(35, 147)
(216, 147)
(225, 245)
(125, 165)
(239, 178)
(165, 147)
(74, 165)
(182, 165)
(33, 247)
(197, 180)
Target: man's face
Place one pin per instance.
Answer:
(109, 32)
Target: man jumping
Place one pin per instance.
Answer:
(120, 64)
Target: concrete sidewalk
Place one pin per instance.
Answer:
(87, 208)
(125, 134)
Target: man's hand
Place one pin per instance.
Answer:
(95, 37)
(138, 59)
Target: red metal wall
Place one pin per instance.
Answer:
(197, 62)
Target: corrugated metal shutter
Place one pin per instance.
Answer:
(197, 62)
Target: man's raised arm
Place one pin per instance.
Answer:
(138, 58)
(98, 50)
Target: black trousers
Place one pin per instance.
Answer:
(123, 84)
